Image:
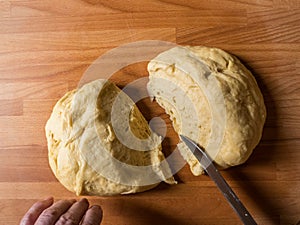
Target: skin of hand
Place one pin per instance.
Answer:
(63, 212)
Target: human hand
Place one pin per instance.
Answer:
(63, 212)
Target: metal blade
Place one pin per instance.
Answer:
(223, 186)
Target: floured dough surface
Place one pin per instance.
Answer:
(240, 107)
(84, 152)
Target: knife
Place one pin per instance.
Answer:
(223, 186)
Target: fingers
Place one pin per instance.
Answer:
(93, 216)
(50, 215)
(62, 213)
(74, 214)
(35, 211)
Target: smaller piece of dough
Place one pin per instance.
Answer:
(243, 113)
(84, 153)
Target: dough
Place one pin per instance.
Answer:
(84, 152)
(212, 99)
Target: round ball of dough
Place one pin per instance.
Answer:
(86, 156)
(227, 113)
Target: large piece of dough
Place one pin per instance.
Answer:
(84, 153)
(238, 103)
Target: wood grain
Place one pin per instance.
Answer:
(45, 47)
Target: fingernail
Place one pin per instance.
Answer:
(48, 199)
(84, 200)
(97, 207)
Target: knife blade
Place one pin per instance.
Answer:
(223, 186)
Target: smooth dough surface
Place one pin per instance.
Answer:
(84, 152)
(243, 111)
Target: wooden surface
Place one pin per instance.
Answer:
(45, 46)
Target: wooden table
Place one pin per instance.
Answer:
(45, 47)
